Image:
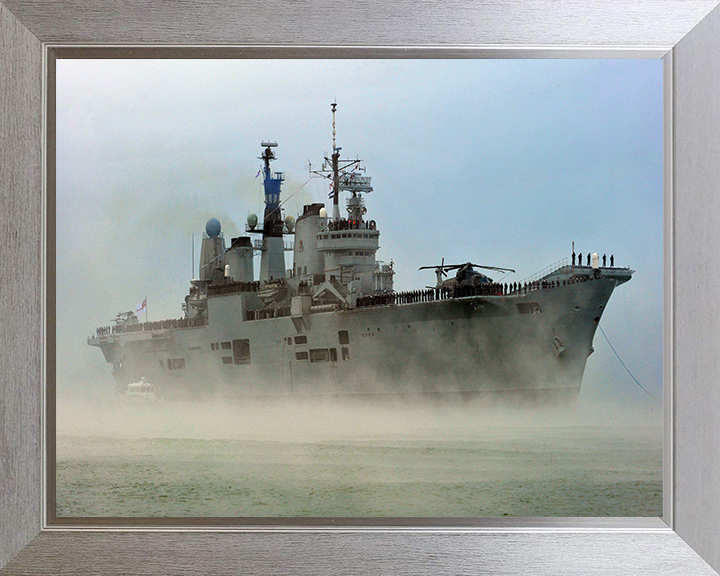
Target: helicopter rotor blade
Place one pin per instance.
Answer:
(443, 268)
(497, 268)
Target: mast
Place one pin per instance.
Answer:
(335, 169)
(272, 220)
(272, 260)
(344, 174)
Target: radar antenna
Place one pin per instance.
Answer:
(268, 155)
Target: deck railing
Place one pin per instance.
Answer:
(545, 271)
(170, 324)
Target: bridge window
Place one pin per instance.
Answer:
(225, 345)
(300, 339)
(345, 354)
(241, 351)
(301, 356)
(227, 360)
(344, 337)
(333, 354)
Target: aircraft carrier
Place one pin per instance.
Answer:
(334, 325)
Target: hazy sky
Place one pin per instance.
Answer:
(499, 162)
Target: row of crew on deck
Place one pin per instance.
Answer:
(589, 257)
(463, 291)
(432, 294)
(170, 324)
(344, 224)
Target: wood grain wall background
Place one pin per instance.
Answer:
(20, 284)
(696, 102)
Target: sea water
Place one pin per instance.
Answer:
(353, 459)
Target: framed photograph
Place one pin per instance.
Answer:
(309, 345)
(319, 540)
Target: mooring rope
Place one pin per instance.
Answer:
(623, 363)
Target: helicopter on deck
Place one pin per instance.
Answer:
(466, 274)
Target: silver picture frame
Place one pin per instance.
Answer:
(685, 33)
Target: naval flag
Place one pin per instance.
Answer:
(142, 308)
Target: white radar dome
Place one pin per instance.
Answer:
(323, 212)
(252, 221)
(290, 222)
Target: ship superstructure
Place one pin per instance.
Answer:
(333, 323)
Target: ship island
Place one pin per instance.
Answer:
(333, 325)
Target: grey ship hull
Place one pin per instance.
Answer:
(530, 343)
